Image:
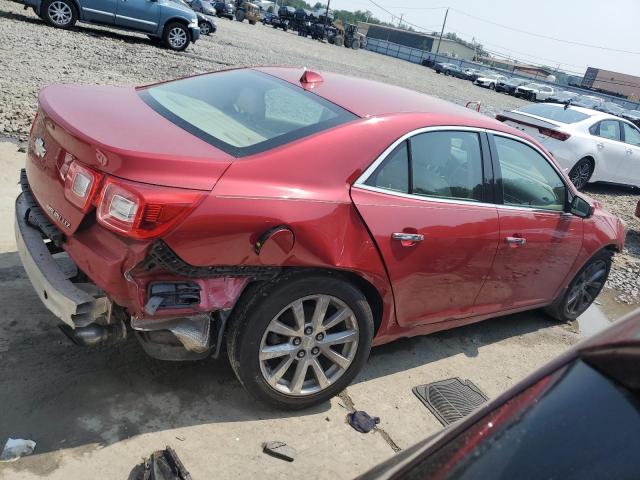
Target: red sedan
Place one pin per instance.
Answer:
(300, 217)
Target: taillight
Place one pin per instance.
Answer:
(143, 211)
(562, 136)
(80, 184)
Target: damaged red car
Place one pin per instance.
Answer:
(294, 219)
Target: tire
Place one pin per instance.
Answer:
(355, 44)
(581, 172)
(250, 332)
(176, 36)
(59, 13)
(240, 16)
(533, 97)
(252, 22)
(492, 86)
(339, 42)
(205, 28)
(583, 289)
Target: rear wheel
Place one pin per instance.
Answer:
(583, 289)
(581, 173)
(355, 44)
(339, 41)
(59, 13)
(240, 15)
(299, 341)
(492, 86)
(176, 36)
(252, 22)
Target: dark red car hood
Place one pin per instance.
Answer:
(95, 123)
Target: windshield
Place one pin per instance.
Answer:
(554, 112)
(515, 81)
(243, 111)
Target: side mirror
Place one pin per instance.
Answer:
(580, 207)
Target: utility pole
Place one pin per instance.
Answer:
(400, 21)
(326, 17)
(442, 31)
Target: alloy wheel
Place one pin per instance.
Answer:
(204, 28)
(60, 13)
(580, 174)
(177, 37)
(309, 345)
(586, 288)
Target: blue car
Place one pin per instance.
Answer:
(173, 23)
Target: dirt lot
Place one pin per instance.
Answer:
(102, 410)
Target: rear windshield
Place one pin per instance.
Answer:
(243, 112)
(554, 112)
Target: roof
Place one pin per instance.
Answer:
(367, 98)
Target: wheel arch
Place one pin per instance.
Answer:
(171, 20)
(370, 292)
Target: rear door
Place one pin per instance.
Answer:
(142, 15)
(425, 203)
(631, 138)
(539, 242)
(611, 151)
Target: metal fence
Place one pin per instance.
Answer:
(416, 55)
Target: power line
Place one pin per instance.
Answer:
(571, 42)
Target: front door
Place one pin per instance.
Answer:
(631, 166)
(142, 15)
(539, 242)
(424, 207)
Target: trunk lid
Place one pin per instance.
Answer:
(534, 126)
(111, 130)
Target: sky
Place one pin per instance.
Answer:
(611, 25)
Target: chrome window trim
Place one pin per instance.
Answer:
(359, 183)
(146, 22)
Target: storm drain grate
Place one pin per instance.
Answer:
(451, 399)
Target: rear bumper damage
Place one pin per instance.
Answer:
(99, 284)
(76, 304)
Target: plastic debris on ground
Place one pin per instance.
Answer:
(362, 421)
(16, 448)
(164, 465)
(279, 450)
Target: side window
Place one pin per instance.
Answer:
(631, 135)
(528, 180)
(393, 172)
(447, 164)
(609, 129)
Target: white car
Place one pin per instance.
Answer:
(490, 81)
(591, 146)
(535, 92)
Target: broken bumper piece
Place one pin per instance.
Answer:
(76, 304)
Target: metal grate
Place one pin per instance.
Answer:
(451, 399)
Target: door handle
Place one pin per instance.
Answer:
(600, 146)
(407, 237)
(516, 241)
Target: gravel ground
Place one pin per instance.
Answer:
(33, 55)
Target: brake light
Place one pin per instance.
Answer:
(558, 135)
(143, 211)
(80, 184)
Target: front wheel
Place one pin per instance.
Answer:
(583, 289)
(298, 341)
(355, 44)
(176, 37)
(240, 16)
(492, 86)
(205, 29)
(59, 13)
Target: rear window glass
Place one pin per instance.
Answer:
(554, 112)
(243, 112)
